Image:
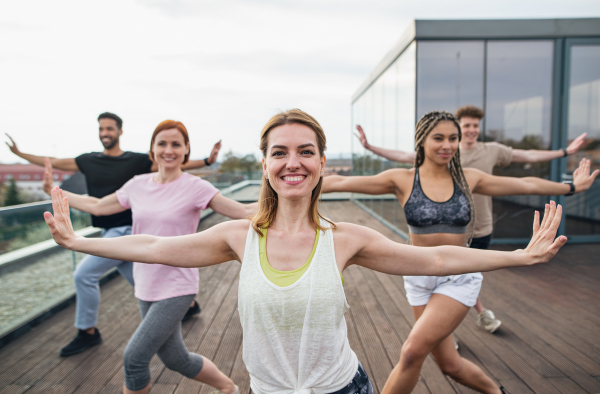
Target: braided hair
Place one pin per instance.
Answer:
(423, 128)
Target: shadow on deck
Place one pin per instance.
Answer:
(549, 341)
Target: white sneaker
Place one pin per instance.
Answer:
(488, 321)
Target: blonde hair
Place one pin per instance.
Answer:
(424, 127)
(268, 200)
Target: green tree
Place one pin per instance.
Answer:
(233, 163)
(12, 196)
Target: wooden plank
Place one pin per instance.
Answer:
(14, 389)
(58, 368)
(96, 371)
(161, 388)
(374, 350)
(214, 338)
(220, 286)
(37, 364)
(562, 363)
(30, 342)
(567, 386)
(431, 374)
(528, 312)
(239, 373)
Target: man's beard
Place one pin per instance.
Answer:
(110, 144)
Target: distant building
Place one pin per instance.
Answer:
(538, 82)
(30, 178)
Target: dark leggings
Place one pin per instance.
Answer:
(359, 385)
(159, 333)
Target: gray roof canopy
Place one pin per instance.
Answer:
(480, 30)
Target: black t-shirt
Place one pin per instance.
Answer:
(106, 174)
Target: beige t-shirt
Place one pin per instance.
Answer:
(485, 157)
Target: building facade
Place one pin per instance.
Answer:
(538, 82)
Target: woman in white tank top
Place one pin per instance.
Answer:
(295, 338)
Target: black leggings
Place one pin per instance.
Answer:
(159, 333)
(359, 385)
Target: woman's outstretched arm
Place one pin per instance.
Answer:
(195, 250)
(107, 205)
(491, 185)
(370, 249)
(389, 181)
(390, 154)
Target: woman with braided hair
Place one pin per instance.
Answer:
(291, 296)
(438, 205)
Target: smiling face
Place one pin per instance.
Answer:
(293, 163)
(169, 149)
(470, 129)
(441, 143)
(109, 132)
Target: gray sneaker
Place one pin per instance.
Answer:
(488, 321)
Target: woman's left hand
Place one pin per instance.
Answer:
(60, 224)
(543, 245)
(582, 179)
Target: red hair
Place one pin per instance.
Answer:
(168, 125)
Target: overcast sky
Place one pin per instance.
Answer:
(223, 68)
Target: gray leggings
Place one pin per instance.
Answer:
(159, 333)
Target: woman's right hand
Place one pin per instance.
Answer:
(362, 137)
(48, 180)
(60, 224)
(582, 180)
(543, 245)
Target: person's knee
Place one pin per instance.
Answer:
(134, 363)
(83, 275)
(450, 367)
(413, 353)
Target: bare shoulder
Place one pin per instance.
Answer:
(234, 228)
(234, 234)
(400, 172)
(350, 234)
(473, 176)
(402, 178)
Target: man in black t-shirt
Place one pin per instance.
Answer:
(105, 172)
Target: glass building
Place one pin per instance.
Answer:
(538, 82)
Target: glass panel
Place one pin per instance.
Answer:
(518, 105)
(449, 75)
(406, 68)
(24, 225)
(583, 210)
(387, 113)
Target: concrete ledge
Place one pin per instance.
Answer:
(19, 258)
(34, 318)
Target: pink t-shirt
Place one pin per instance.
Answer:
(165, 210)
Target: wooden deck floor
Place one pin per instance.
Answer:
(549, 341)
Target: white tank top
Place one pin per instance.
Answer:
(295, 337)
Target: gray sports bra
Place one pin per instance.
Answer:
(429, 217)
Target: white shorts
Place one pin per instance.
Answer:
(462, 288)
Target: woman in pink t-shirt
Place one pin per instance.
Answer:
(166, 203)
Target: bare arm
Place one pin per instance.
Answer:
(491, 185)
(195, 250)
(536, 156)
(374, 251)
(392, 155)
(96, 206)
(231, 208)
(381, 183)
(61, 164)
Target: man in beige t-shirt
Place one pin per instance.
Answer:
(484, 156)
